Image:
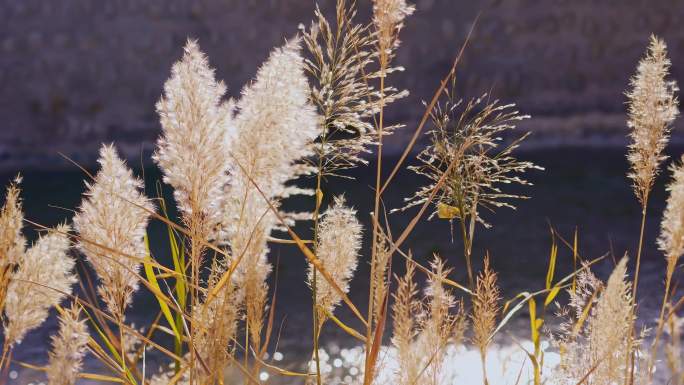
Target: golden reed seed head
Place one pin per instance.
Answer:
(671, 239)
(69, 347)
(485, 306)
(111, 224)
(339, 242)
(653, 106)
(42, 280)
(12, 241)
(194, 149)
(388, 17)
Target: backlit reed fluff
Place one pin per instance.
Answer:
(111, 223)
(468, 154)
(42, 280)
(673, 349)
(275, 129)
(218, 316)
(194, 149)
(485, 311)
(388, 17)
(439, 325)
(12, 241)
(69, 347)
(652, 108)
(405, 310)
(600, 349)
(339, 62)
(339, 242)
(671, 239)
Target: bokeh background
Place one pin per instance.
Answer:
(76, 73)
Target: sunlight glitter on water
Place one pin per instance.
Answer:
(460, 365)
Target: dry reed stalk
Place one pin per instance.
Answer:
(388, 19)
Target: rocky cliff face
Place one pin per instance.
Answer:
(76, 73)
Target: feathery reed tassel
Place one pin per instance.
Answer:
(42, 280)
(673, 349)
(339, 242)
(439, 326)
(670, 242)
(671, 239)
(599, 352)
(275, 129)
(68, 348)
(404, 312)
(339, 63)
(111, 224)
(485, 311)
(388, 17)
(218, 317)
(12, 241)
(652, 108)
(193, 151)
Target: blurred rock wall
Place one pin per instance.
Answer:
(75, 73)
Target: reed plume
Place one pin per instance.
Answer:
(485, 311)
(439, 325)
(340, 59)
(673, 349)
(388, 17)
(194, 149)
(598, 348)
(12, 241)
(276, 126)
(653, 106)
(671, 239)
(69, 347)
(42, 280)
(405, 309)
(467, 151)
(111, 223)
(339, 242)
(218, 318)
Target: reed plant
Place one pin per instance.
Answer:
(314, 111)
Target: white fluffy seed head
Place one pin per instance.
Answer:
(653, 106)
(276, 125)
(339, 242)
(193, 151)
(42, 280)
(671, 239)
(388, 17)
(12, 241)
(68, 348)
(111, 224)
